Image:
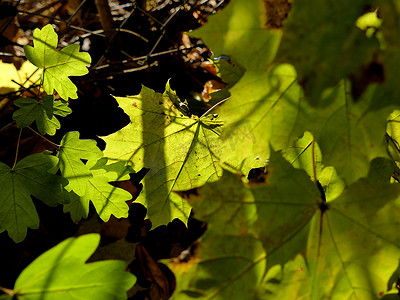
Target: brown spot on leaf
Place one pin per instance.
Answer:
(276, 12)
(134, 104)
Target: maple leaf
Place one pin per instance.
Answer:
(107, 199)
(239, 32)
(61, 273)
(315, 49)
(181, 152)
(268, 106)
(30, 176)
(57, 65)
(349, 133)
(42, 111)
(281, 240)
(72, 151)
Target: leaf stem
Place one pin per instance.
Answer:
(313, 159)
(16, 152)
(7, 291)
(54, 144)
(212, 107)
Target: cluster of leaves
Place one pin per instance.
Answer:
(77, 174)
(296, 173)
(82, 165)
(311, 111)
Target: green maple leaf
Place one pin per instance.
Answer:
(42, 111)
(239, 32)
(61, 273)
(181, 152)
(280, 240)
(72, 151)
(61, 108)
(268, 106)
(107, 199)
(30, 176)
(57, 65)
(316, 49)
(349, 134)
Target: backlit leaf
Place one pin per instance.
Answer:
(107, 199)
(30, 176)
(319, 38)
(180, 151)
(61, 273)
(268, 106)
(72, 151)
(57, 65)
(42, 111)
(280, 240)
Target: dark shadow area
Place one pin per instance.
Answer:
(173, 240)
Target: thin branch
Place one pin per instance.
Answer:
(133, 33)
(133, 59)
(111, 75)
(75, 12)
(11, 55)
(54, 144)
(9, 124)
(44, 8)
(112, 39)
(55, 19)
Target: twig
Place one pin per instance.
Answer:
(9, 124)
(132, 70)
(44, 8)
(133, 59)
(112, 38)
(54, 144)
(133, 33)
(10, 55)
(162, 28)
(91, 32)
